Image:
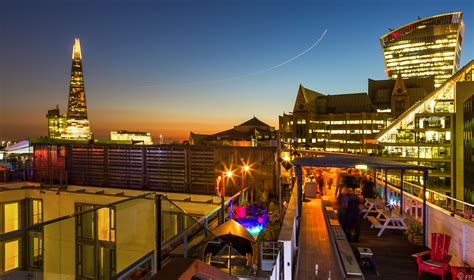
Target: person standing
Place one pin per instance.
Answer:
(342, 202)
(368, 190)
(353, 217)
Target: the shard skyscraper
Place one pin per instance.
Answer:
(77, 121)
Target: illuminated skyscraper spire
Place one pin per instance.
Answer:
(77, 122)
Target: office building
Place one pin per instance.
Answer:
(77, 121)
(430, 133)
(57, 123)
(396, 96)
(338, 123)
(427, 47)
(137, 137)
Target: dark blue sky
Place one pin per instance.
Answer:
(163, 66)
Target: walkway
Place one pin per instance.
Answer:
(392, 253)
(315, 244)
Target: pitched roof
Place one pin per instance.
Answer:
(313, 101)
(345, 103)
(254, 122)
(198, 139)
(307, 98)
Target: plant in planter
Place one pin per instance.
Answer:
(415, 234)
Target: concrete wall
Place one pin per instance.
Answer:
(460, 230)
(288, 236)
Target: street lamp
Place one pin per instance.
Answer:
(226, 174)
(245, 169)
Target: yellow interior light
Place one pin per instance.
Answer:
(361, 166)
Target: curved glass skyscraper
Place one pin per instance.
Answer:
(427, 47)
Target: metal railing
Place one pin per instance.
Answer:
(413, 198)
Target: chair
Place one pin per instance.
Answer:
(438, 263)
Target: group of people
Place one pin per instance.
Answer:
(350, 200)
(324, 178)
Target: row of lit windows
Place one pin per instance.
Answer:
(415, 64)
(421, 56)
(303, 121)
(430, 38)
(418, 152)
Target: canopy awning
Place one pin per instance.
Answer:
(231, 227)
(354, 161)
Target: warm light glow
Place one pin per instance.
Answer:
(105, 221)
(361, 166)
(228, 174)
(76, 49)
(246, 168)
(11, 255)
(11, 217)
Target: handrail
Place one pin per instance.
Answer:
(465, 209)
(391, 177)
(199, 221)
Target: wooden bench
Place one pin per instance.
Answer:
(375, 223)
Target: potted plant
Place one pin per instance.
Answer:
(414, 233)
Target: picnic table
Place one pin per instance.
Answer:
(372, 204)
(390, 219)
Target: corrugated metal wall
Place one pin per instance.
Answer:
(176, 168)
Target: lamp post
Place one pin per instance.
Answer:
(245, 169)
(225, 175)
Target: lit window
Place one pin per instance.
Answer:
(11, 255)
(11, 217)
(37, 211)
(448, 135)
(103, 224)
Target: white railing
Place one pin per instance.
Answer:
(439, 216)
(413, 198)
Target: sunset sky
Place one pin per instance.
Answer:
(171, 67)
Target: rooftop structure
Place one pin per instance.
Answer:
(427, 47)
(138, 137)
(396, 96)
(251, 133)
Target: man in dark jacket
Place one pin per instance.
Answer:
(353, 218)
(368, 190)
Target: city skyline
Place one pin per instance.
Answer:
(139, 77)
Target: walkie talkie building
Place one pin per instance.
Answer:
(427, 47)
